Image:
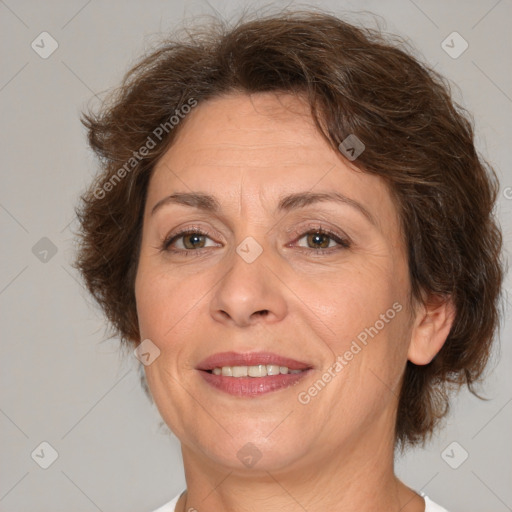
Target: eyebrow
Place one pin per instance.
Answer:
(286, 203)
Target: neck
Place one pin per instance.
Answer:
(356, 476)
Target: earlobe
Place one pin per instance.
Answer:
(431, 328)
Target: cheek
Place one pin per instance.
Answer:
(363, 320)
(162, 299)
(171, 304)
(353, 297)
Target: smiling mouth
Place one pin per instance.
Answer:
(251, 375)
(255, 371)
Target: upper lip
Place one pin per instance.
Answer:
(249, 359)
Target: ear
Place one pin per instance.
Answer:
(432, 325)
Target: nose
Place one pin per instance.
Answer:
(249, 293)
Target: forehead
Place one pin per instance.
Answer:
(259, 147)
(251, 129)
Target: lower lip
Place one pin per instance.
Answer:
(252, 386)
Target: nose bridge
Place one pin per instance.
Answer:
(248, 289)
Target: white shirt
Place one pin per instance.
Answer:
(430, 506)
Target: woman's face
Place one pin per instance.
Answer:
(264, 280)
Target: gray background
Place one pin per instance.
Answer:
(62, 381)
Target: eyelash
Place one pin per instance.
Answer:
(343, 242)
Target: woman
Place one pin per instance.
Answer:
(293, 230)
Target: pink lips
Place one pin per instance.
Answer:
(251, 386)
(249, 359)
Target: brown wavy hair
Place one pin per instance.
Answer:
(357, 81)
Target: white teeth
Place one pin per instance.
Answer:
(239, 371)
(272, 369)
(227, 371)
(260, 370)
(257, 371)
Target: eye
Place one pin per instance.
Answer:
(187, 240)
(321, 240)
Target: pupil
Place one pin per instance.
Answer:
(194, 239)
(315, 237)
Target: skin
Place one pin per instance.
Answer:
(336, 452)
